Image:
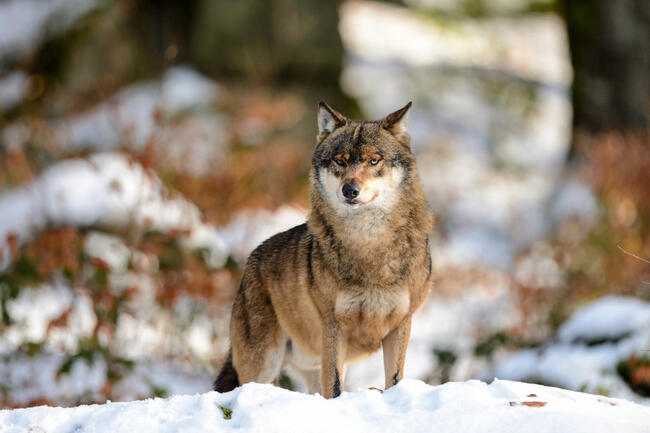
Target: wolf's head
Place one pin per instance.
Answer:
(362, 164)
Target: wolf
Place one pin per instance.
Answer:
(334, 290)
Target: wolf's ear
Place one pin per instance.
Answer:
(328, 119)
(397, 124)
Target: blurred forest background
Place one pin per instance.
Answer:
(146, 147)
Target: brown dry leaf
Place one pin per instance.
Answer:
(531, 395)
(60, 321)
(534, 403)
(376, 389)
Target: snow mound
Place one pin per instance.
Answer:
(175, 113)
(249, 228)
(611, 317)
(412, 406)
(588, 349)
(105, 190)
(131, 113)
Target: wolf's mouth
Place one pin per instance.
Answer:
(353, 202)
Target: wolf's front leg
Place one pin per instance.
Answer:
(333, 354)
(394, 348)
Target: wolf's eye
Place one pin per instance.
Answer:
(339, 162)
(374, 161)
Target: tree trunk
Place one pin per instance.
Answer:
(610, 52)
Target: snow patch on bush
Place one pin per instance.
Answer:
(247, 229)
(611, 317)
(588, 349)
(106, 190)
(25, 23)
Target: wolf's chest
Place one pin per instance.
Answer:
(367, 316)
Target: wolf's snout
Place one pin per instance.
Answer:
(351, 190)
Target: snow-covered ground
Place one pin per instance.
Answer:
(411, 406)
(490, 128)
(587, 350)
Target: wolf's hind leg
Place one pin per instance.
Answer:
(258, 341)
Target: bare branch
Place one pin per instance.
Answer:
(633, 255)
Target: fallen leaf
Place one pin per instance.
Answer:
(534, 403)
(531, 395)
(377, 389)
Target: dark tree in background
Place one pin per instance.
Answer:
(258, 42)
(610, 52)
(270, 41)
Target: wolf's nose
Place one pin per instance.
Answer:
(351, 190)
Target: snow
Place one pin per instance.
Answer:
(109, 249)
(131, 114)
(33, 378)
(175, 113)
(24, 23)
(490, 133)
(610, 317)
(538, 268)
(106, 190)
(33, 310)
(13, 88)
(575, 200)
(468, 42)
(411, 406)
(247, 229)
(587, 350)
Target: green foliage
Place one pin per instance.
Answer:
(285, 381)
(91, 349)
(485, 9)
(202, 254)
(158, 391)
(171, 258)
(22, 272)
(8, 291)
(100, 277)
(87, 350)
(446, 360)
(25, 271)
(31, 348)
(487, 346)
(171, 255)
(117, 368)
(227, 412)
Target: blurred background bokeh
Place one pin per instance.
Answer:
(146, 147)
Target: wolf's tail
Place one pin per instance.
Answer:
(227, 380)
